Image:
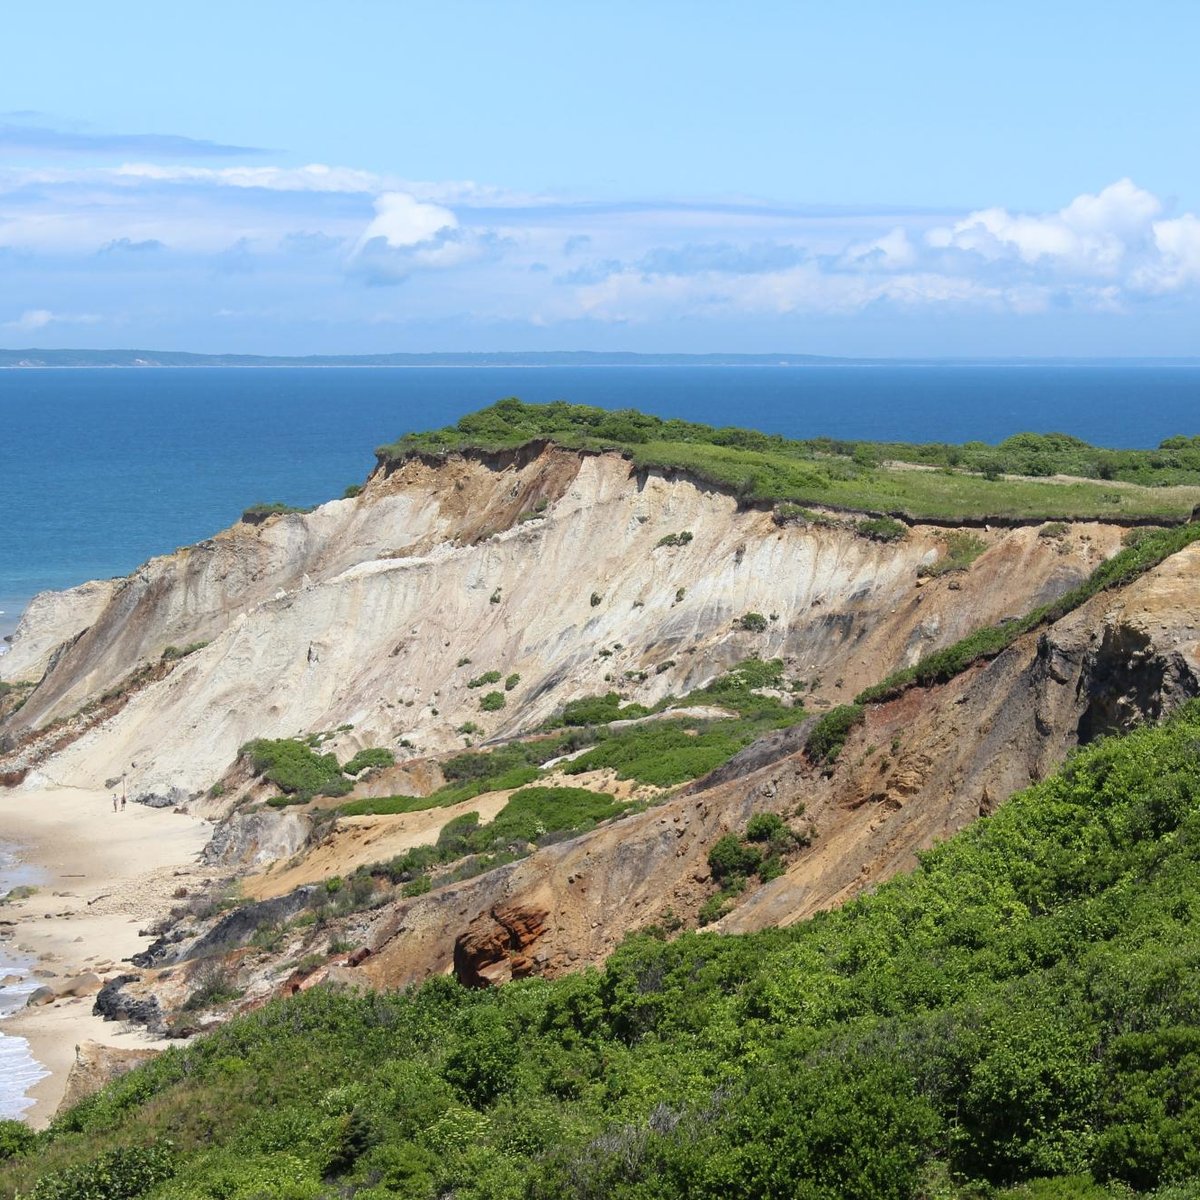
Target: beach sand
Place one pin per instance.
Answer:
(104, 876)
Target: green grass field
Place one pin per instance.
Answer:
(971, 482)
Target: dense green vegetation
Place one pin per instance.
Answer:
(1139, 556)
(1021, 1014)
(294, 766)
(470, 774)
(664, 753)
(970, 481)
(667, 752)
(373, 757)
(531, 817)
(260, 512)
(827, 737)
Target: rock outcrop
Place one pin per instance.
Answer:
(494, 947)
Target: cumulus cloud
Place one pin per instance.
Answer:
(402, 220)
(410, 235)
(1178, 260)
(1094, 235)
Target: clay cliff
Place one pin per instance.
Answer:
(366, 619)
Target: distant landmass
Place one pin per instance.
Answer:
(556, 358)
(551, 358)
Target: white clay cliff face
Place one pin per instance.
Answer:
(359, 612)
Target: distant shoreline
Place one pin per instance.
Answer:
(44, 360)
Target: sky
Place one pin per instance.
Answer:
(871, 179)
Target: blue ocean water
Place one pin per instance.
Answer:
(102, 468)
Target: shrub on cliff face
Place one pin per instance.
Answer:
(752, 622)
(291, 765)
(829, 735)
(484, 679)
(376, 756)
(881, 529)
(729, 857)
(492, 702)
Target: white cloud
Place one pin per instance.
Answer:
(1093, 235)
(893, 251)
(274, 239)
(402, 220)
(316, 177)
(33, 319)
(1178, 264)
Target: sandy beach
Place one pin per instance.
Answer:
(103, 876)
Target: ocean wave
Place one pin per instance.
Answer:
(19, 1070)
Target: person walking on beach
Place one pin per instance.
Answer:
(122, 803)
(114, 801)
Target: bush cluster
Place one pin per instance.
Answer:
(374, 757)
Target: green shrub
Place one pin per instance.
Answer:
(599, 710)
(1053, 529)
(15, 1138)
(828, 736)
(881, 529)
(511, 681)
(731, 858)
(675, 539)
(1139, 534)
(215, 984)
(376, 756)
(417, 887)
(663, 753)
(962, 549)
(354, 489)
(771, 868)
(713, 909)
(752, 622)
(121, 1174)
(484, 679)
(171, 653)
(765, 827)
(291, 765)
(492, 702)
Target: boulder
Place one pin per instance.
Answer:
(168, 799)
(86, 984)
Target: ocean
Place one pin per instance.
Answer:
(104, 467)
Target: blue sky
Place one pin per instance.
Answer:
(866, 178)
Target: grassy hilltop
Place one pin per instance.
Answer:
(1018, 479)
